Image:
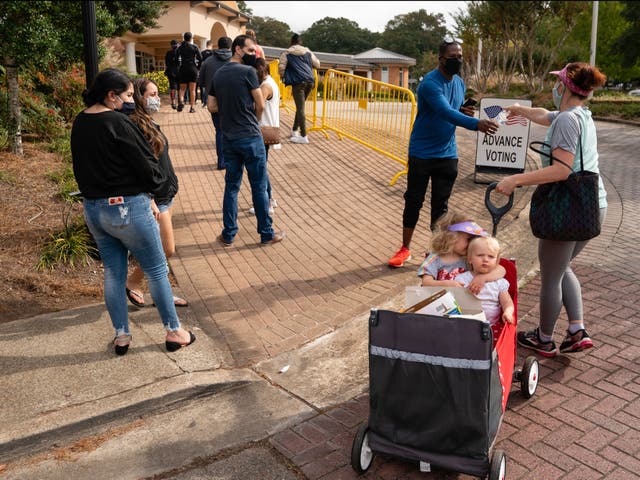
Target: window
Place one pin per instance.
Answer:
(385, 75)
(144, 62)
(401, 77)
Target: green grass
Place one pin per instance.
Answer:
(8, 178)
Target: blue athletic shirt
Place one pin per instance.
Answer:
(434, 130)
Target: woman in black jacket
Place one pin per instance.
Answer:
(116, 171)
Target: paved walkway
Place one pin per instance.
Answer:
(584, 420)
(343, 221)
(221, 409)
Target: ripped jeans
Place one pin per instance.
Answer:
(126, 224)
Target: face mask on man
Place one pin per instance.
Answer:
(153, 104)
(452, 66)
(249, 59)
(557, 96)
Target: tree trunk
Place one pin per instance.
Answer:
(15, 115)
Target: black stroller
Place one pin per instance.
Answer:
(438, 387)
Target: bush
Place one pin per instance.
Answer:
(157, 77)
(40, 119)
(70, 246)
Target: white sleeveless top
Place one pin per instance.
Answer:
(271, 113)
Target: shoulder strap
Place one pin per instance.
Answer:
(551, 157)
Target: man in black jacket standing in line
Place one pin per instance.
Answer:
(171, 66)
(207, 70)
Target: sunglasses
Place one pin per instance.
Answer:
(448, 39)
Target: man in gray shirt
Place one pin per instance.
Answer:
(235, 94)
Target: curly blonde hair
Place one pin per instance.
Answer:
(443, 240)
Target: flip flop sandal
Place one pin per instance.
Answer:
(132, 294)
(180, 302)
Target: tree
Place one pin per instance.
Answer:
(271, 32)
(413, 34)
(242, 6)
(521, 37)
(41, 34)
(629, 40)
(339, 35)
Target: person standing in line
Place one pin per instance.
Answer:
(206, 53)
(147, 100)
(571, 130)
(236, 95)
(116, 171)
(189, 56)
(296, 69)
(171, 67)
(270, 117)
(259, 52)
(433, 153)
(207, 70)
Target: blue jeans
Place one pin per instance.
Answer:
(219, 141)
(130, 227)
(246, 153)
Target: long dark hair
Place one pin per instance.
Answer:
(109, 79)
(142, 118)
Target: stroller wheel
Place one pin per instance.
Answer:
(361, 453)
(529, 377)
(498, 466)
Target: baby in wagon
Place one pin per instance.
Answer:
(447, 259)
(483, 255)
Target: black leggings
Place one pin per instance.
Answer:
(443, 173)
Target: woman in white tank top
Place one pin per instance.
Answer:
(270, 114)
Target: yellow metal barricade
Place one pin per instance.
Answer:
(375, 114)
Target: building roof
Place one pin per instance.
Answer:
(329, 60)
(380, 55)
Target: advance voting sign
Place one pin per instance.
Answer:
(507, 149)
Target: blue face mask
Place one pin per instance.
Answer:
(127, 107)
(557, 97)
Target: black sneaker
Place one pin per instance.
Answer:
(576, 342)
(532, 341)
(180, 106)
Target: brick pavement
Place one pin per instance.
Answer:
(584, 421)
(343, 222)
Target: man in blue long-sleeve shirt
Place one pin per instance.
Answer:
(433, 153)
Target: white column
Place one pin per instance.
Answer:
(369, 85)
(203, 44)
(130, 57)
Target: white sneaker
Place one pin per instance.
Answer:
(301, 140)
(274, 204)
(252, 211)
(294, 133)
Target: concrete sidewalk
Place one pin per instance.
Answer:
(276, 383)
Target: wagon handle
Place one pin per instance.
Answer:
(496, 212)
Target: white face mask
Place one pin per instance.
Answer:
(153, 104)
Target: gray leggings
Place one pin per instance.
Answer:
(559, 285)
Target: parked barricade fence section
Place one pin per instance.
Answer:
(375, 114)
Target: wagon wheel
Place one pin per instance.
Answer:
(498, 469)
(361, 453)
(529, 377)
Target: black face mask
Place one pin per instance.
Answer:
(249, 59)
(452, 66)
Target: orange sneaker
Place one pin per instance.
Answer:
(401, 256)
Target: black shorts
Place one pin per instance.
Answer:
(188, 74)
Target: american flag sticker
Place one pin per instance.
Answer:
(493, 111)
(516, 120)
